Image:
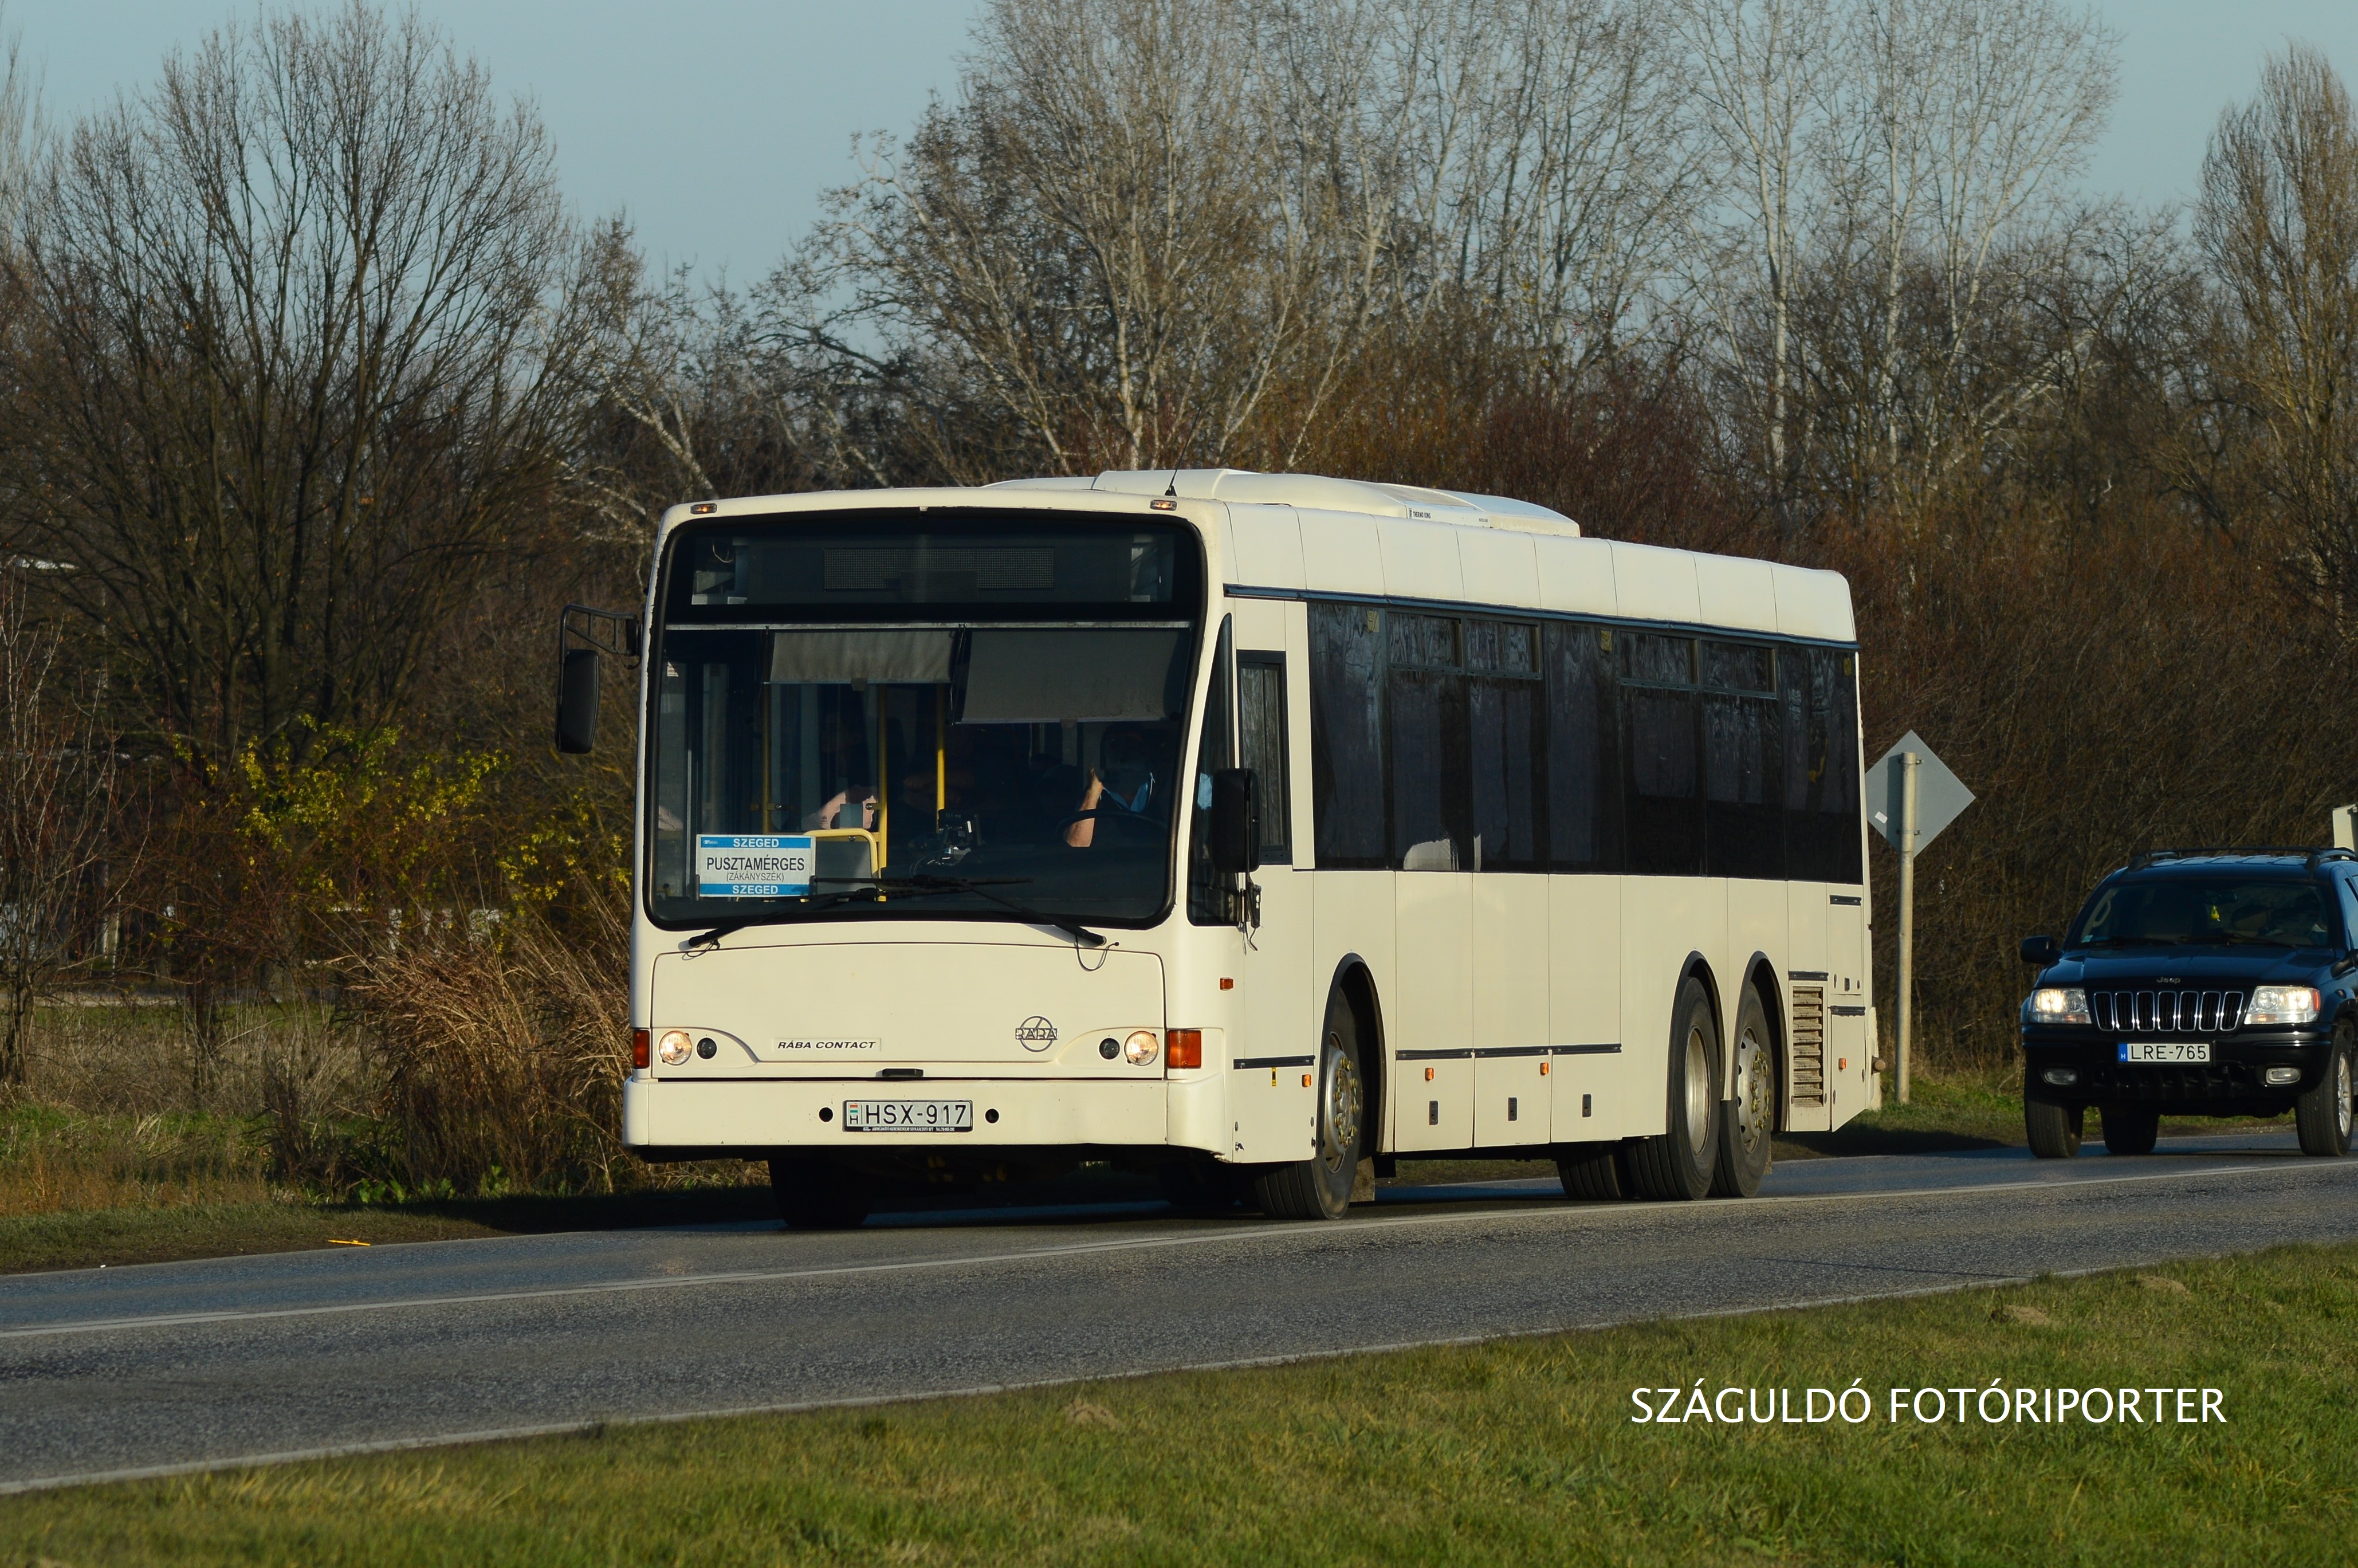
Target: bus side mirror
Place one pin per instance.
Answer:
(1236, 822)
(576, 701)
(2040, 951)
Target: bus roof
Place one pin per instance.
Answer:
(1297, 534)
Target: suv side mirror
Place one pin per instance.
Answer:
(2040, 950)
(576, 701)
(1236, 822)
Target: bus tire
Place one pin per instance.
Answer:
(2054, 1130)
(2130, 1130)
(2324, 1114)
(1320, 1186)
(1676, 1165)
(1591, 1172)
(1747, 1117)
(817, 1194)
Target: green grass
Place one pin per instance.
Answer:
(1514, 1452)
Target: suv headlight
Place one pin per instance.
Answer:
(2057, 1004)
(2282, 1004)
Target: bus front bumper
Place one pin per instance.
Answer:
(674, 1119)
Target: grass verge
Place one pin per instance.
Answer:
(1514, 1452)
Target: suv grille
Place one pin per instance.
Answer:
(2167, 1012)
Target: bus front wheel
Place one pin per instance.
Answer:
(817, 1194)
(1676, 1165)
(1320, 1186)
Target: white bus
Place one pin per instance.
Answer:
(1239, 828)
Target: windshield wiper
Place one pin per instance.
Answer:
(807, 905)
(876, 887)
(927, 883)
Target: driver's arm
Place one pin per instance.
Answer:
(1082, 834)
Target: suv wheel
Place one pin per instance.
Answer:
(2054, 1129)
(2324, 1114)
(2130, 1130)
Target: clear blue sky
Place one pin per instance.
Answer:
(716, 123)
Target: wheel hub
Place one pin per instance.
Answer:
(1751, 1091)
(1339, 1108)
(1698, 1087)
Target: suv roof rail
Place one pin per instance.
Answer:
(2309, 853)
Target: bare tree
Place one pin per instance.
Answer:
(62, 836)
(1552, 163)
(289, 367)
(1063, 229)
(1765, 71)
(2279, 222)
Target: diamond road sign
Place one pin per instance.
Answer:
(1941, 795)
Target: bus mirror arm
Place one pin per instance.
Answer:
(1236, 823)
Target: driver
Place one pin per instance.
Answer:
(1122, 781)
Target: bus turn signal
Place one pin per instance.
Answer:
(1186, 1047)
(638, 1048)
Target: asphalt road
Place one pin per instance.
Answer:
(184, 1366)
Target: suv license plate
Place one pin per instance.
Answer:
(2168, 1051)
(908, 1116)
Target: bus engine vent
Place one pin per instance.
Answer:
(1809, 1045)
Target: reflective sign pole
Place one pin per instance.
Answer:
(1920, 798)
(1908, 766)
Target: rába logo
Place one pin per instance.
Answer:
(1035, 1034)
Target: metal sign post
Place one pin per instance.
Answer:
(1921, 797)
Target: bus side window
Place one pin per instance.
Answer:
(1506, 752)
(1426, 737)
(1743, 769)
(1261, 734)
(1663, 799)
(1347, 749)
(1822, 789)
(1583, 770)
(1211, 896)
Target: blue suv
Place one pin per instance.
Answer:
(2198, 982)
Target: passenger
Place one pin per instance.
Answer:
(1122, 781)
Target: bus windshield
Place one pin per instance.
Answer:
(956, 714)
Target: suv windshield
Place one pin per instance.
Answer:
(996, 699)
(2194, 912)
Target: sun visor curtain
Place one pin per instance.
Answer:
(1095, 675)
(881, 657)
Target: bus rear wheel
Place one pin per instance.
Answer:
(817, 1194)
(1676, 1165)
(1747, 1119)
(1320, 1186)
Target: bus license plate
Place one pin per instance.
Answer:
(2168, 1051)
(908, 1116)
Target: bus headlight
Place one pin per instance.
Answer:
(1140, 1047)
(2282, 1004)
(675, 1047)
(2059, 1004)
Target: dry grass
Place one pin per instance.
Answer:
(507, 1059)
